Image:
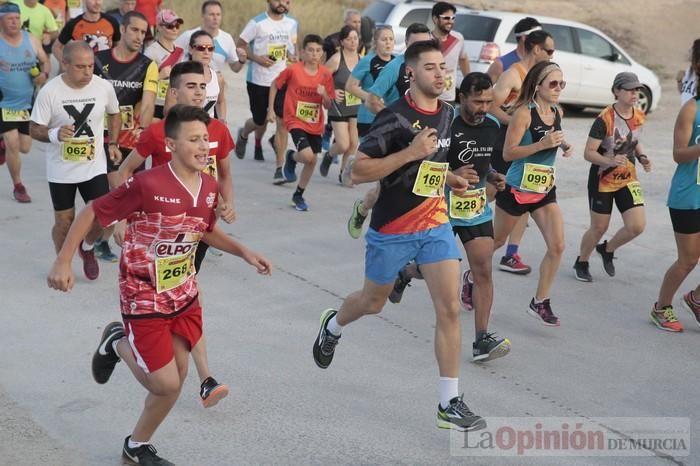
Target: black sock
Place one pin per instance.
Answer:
(480, 335)
(299, 191)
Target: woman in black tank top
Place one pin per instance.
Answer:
(343, 114)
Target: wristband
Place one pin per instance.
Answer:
(53, 135)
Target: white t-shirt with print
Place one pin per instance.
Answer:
(224, 47)
(452, 49)
(265, 37)
(57, 105)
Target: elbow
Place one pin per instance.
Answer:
(508, 155)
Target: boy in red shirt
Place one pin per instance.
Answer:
(168, 210)
(309, 89)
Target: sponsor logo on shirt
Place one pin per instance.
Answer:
(167, 200)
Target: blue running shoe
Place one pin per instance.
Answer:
(290, 166)
(299, 203)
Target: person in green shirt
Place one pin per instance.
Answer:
(38, 20)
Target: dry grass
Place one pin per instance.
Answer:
(315, 16)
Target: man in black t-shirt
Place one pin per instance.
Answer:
(407, 150)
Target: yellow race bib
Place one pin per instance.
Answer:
(15, 116)
(351, 100)
(73, 3)
(277, 52)
(211, 169)
(430, 180)
(78, 150)
(175, 266)
(162, 88)
(308, 112)
(537, 178)
(469, 205)
(635, 188)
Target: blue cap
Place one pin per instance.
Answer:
(7, 8)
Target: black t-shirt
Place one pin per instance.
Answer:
(473, 145)
(398, 209)
(403, 83)
(376, 65)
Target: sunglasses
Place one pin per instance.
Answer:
(550, 52)
(553, 84)
(171, 26)
(203, 48)
(446, 18)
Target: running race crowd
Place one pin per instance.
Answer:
(134, 85)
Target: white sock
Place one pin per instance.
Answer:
(86, 247)
(539, 301)
(449, 388)
(133, 444)
(334, 328)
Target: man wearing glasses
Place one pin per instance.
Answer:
(452, 47)
(225, 51)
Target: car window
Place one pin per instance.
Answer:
(475, 27)
(378, 11)
(419, 15)
(621, 58)
(593, 45)
(563, 37)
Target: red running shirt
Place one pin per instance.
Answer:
(152, 143)
(303, 105)
(164, 225)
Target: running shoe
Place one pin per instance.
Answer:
(402, 281)
(290, 166)
(514, 264)
(240, 145)
(467, 288)
(692, 307)
(356, 220)
(104, 252)
(666, 319)
(20, 194)
(258, 154)
(325, 164)
(543, 312)
(211, 392)
(346, 175)
(488, 347)
(105, 358)
(326, 139)
(271, 140)
(144, 455)
(607, 258)
(459, 417)
(278, 177)
(2, 151)
(90, 267)
(325, 343)
(582, 271)
(299, 203)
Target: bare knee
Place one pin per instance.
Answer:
(599, 229)
(556, 248)
(373, 304)
(447, 310)
(635, 229)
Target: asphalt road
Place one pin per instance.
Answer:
(376, 403)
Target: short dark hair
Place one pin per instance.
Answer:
(197, 34)
(475, 82)
(183, 114)
(185, 67)
(414, 51)
(416, 28)
(126, 19)
(536, 38)
(210, 3)
(442, 7)
(312, 39)
(526, 24)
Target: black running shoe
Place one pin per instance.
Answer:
(402, 281)
(459, 417)
(145, 455)
(211, 392)
(324, 345)
(582, 271)
(271, 140)
(543, 312)
(105, 358)
(325, 164)
(607, 258)
(278, 178)
(488, 347)
(104, 252)
(258, 154)
(240, 145)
